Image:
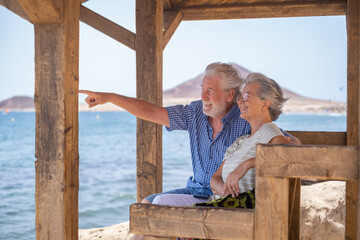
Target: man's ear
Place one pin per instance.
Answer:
(230, 95)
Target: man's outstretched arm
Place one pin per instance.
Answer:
(139, 108)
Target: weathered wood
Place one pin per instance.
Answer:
(294, 208)
(56, 109)
(353, 76)
(149, 47)
(43, 11)
(320, 138)
(107, 27)
(272, 207)
(322, 162)
(196, 3)
(268, 10)
(172, 20)
(195, 222)
(15, 7)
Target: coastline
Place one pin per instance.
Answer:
(299, 107)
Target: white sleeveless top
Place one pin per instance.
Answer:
(243, 149)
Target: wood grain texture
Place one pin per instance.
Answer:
(149, 61)
(172, 20)
(272, 208)
(71, 87)
(323, 162)
(320, 138)
(43, 11)
(15, 7)
(268, 10)
(50, 131)
(353, 78)
(107, 27)
(56, 141)
(294, 208)
(195, 222)
(196, 3)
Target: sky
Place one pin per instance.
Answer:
(306, 55)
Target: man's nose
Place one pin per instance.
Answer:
(204, 95)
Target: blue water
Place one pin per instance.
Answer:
(107, 147)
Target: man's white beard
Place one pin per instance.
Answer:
(214, 110)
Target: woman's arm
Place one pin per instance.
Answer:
(231, 184)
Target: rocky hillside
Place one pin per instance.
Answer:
(17, 103)
(191, 90)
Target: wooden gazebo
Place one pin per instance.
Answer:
(325, 155)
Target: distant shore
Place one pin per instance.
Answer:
(316, 107)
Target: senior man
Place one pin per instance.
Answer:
(213, 125)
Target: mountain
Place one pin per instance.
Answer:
(18, 102)
(192, 88)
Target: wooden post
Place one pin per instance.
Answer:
(353, 77)
(272, 208)
(149, 47)
(294, 208)
(56, 109)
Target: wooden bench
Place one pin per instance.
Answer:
(278, 173)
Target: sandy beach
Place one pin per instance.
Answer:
(322, 215)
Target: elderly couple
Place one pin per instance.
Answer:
(224, 127)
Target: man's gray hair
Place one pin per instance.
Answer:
(269, 89)
(230, 76)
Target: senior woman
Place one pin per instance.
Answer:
(260, 103)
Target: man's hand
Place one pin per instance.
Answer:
(94, 98)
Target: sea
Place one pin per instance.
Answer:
(107, 171)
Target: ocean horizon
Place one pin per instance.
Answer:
(107, 167)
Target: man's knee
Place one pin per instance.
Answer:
(145, 201)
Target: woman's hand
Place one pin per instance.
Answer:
(231, 184)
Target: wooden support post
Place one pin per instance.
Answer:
(294, 208)
(272, 208)
(352, 187)
(149, 47)
(56, 109)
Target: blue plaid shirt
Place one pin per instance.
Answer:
(206, 153)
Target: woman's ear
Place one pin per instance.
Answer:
(267, 104)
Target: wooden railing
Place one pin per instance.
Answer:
(278, 172)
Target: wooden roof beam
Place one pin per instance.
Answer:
(270, 10)
(172, 20)
(15, 7)
(43, 11)
(195, 222)
(321, 162)
(107, 27)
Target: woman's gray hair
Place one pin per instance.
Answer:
(230, 76)
(269, 89)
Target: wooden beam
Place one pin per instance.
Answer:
(149, 62)
(294, 208)
(269, 10)
(56, 109)
(323, 162)
(15, 7)
(320, 138)
(194, 222)
(272, 207)
(42, 11)
(172, 20)
(352, 224)
(107, 27)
